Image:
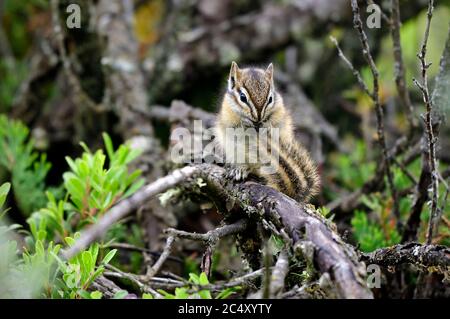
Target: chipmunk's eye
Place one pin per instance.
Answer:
(270, 100)
(243, 98)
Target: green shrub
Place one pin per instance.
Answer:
(93, 184)
(27, 168)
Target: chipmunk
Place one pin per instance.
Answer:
(252, 102)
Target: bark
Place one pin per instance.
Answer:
(331, 254)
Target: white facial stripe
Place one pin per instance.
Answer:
(268, 105)
(249, 102)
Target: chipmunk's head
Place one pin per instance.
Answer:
(251, 93)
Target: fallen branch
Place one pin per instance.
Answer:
(430, 257)
(256, 201)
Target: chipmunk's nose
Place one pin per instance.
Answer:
(256, 124)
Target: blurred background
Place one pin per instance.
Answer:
(138, 68)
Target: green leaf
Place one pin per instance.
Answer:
(4, 189)
(71, 280)
(85, 147)
(120, 294)
(74, 185)
(41, 235)
(147, 296)
(181, 293)
(84, 294)
(166, 294)
(134, 153)
(72, 165)
(70, 241)
(108, 146)
(194, 278)
(109, 256)
(205, 294)
(88, 264)
(96, 295)
(97, 273)
(134, 188)
(203, 279)
(224, 294)
(94, 251)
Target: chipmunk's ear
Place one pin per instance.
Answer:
(234, 75)
(269, 72)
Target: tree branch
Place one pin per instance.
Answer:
(211, 236)
(428, 257)
(279, 273)
(358, 25)
(428, 122)
(299, 222)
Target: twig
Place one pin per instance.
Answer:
(279, 274)
(267, 258)
(428, 122)
(168, 283)
(161, 260)
(130, 247)
(107, 287)
(211, 236)
(355, 72)
(399, 64)
(243, 280)
(358, 25)
(404, 170)
(123, 275)
(126, 246)
(206, 263)
(126, 206)
(237, 281)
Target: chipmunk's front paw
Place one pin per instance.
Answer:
(237, 174)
